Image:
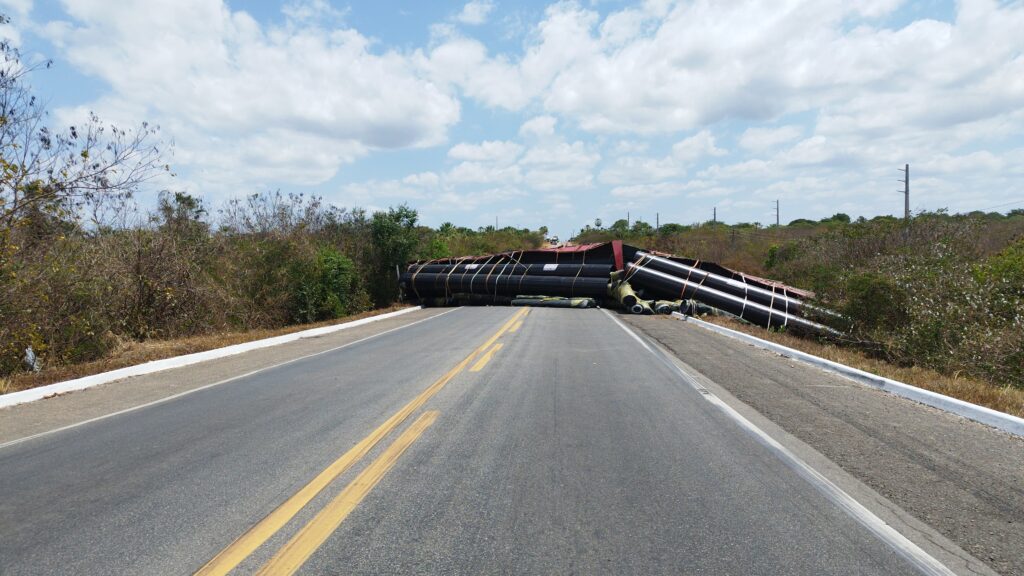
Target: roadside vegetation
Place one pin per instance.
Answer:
(941, 292)
(87, 274)
(78, 291)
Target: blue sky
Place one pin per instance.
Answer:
(557, 113)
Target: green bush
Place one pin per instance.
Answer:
(1005, 268)
(324, 287)
(875, 302)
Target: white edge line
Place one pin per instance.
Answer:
(884, 532)
(1001, 420)
(33, 394)
(218, 383)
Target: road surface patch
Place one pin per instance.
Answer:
(247, 543)
(486, 357)
(294, 554)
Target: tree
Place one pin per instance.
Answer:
(802, 222)
(641, 228)
(181, 213)
(394, 241)
(60, 171)
(620, 227)
(672, 228)
(838, 217)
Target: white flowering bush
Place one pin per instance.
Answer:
(932, 293)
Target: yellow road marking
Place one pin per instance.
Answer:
(247, 543)
(515, 327)
(295, 553)
(485, 358)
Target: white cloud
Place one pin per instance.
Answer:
(489, 151)
(18, 11)
(488, 162)
(631, 147)
(538, 127)
(654, 69)
(697, 146)
(267, 104)
(483, 173)
(559, 203)
(425, 179)
(648, 191)
(629, 168)
(312, 12)
(16, 8)
(464, 63)
(626, 169)
(559, 166)
(760, 139)
(475, 12)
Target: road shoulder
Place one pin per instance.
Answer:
(42, 416)
(933, 475)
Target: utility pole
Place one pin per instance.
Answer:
(906, 191)
(495, 223)
(657, 221)
(627, 219)
(776, 213)
(714, 215)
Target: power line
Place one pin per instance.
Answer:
(1021, 201)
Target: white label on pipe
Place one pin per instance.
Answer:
(471, 266)
(550, 267)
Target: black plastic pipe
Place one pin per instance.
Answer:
(777, 300)
(430, 285)
(674, 288)
(588, 270)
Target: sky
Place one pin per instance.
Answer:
(556, 114)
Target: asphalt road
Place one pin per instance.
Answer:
(485, 440)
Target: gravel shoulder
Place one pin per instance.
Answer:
(962, 478)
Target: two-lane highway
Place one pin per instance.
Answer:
(484, 440)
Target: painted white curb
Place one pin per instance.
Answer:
(994, 418)
(41, 392)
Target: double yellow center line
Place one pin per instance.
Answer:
(296, 551)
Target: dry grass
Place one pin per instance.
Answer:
(1004, 399)
(131, 353)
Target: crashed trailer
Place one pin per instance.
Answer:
(610, 274)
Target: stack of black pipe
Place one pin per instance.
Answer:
(766, 307)
(506, 278)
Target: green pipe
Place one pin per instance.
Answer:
(624, 293)
(665, 306)
(555, 302)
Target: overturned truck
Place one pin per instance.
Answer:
(612, 274)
